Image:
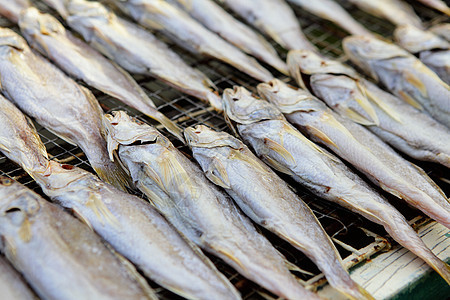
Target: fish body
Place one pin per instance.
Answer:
(160, 15)
(391, 119)
(266, 199)
(275, 19)
(358, 146)
(45, 93)
(438, 5)
(332, 11)
(216, 19)
(397, 12)
(432, 50)
(45, 34)
(196, 207)
(285, 149)
(59, 256)
(12, 285)
(442, 30)
(11, 8)
(402, 73)
(135, 49)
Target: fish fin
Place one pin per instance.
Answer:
(280, 150)
(277, 166)
(41, 145)
(410, 100)
(218, 174)
(380, 102)
(356, 117)
(256, 164)
(100, 210)
(365, 104)
(131, 270)
(391, 191)
(321, 136)
(149, 172)
(430, 181)
(8, 247)
(25, 231)
(171, 126)
(83, 219)
(295, 268)
(113, 173)
(415, 82)
(231, 257)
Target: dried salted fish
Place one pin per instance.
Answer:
(12, 285)
(11, 8)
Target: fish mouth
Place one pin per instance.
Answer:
(191, 135)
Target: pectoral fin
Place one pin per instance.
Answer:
(380, 102)
(239, 155)
(231, 257)
(321, 136)
(280, 150)
(25, 231)
(100, 210)
(410, 100)
(218, 174)
(416, 82)
(82, 217)
(277, 166)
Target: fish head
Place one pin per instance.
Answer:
(10, 40)
(17, 205)
(363, 50)
(202, 136)
(33, 23)
(416, 40)
(244, 108)
(289, 99)
(304, 63)
(81, 9)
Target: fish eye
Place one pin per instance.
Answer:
(67, 167)
(5, 181)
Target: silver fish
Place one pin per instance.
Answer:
(11, 8)
(119, 218)
(56, 102)
(59, 256)
(391, 119)
(442, 30)
(216, 19)
(402, 74)
(196, 207)
(432, 50)
(266, 199)
(12, 285)
(438, 5)
(135, 49)
(397, 12)
(285, 149)
(160, 15)
(45, 34)
(274, 18)
(332, 11)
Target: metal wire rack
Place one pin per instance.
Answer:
(356, 238)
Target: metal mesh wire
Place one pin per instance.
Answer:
(187, 111)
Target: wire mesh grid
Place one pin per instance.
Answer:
(356, 238)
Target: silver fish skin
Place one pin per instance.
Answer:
(332, 11)
(361, 148)
(57, 102)
(218, 20)
(438, 5)
(266, 199)
(160, 15)
(60, 257)
(197, 208)
(12, 285)
(442, 30)
(45, 34)
(397, 123)
(275, 19)
(285, 149)
(402, 73)
(11, 8)
(397, 12)
(136, 50)
(158, 250)
(431, 49)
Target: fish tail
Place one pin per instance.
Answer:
(215, 101)
(113, 173)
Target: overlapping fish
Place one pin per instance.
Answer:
(12, 285)
(438, 5)
(41, 240)
(397, 12)
(274, 18)
(442, 30)
(196, 207)
(355, 144)
(394, 121)
(133, 48)
(12, 8)
(285, 149)
(58, 103)
(402, 73)
(157, 249)
(267, 200)
(216, 19)
(160, 15)
(332, 11)
(45, 34)
(432, 50)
